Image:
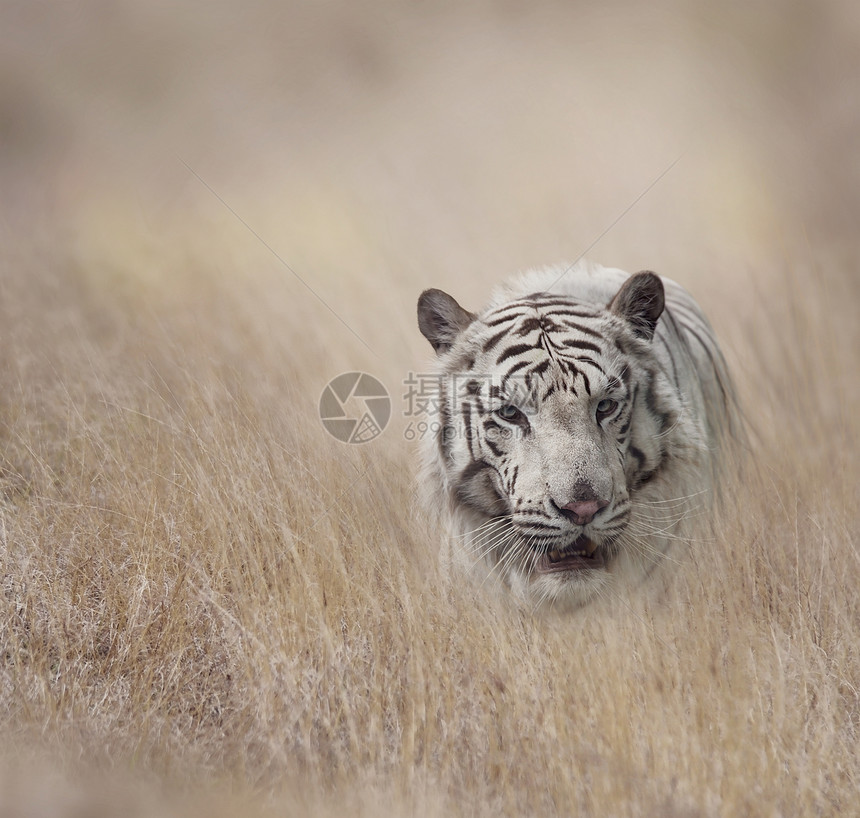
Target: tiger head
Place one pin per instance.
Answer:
(554, 414)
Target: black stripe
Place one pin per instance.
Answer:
(710, 353)
(577, 327)
(443, 434)
(651, 403)
(511, 311)
(639, 455)
(645, 477)
(467, 423)
(472, 469)
(641, 479)
(515, 368)
(570, 366)
(537, 371)
(517, 349)
(491, 342)
(529, 325)
(573, 343)
(571, 307)
(462, 364)
(493, 447)
(538, 523)
(667, 346)
(537, 296)
(541, 526)
(691, 315)
(583, 359)
(471, 490)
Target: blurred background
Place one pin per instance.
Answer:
(372, 149)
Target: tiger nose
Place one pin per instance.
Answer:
(582, 511)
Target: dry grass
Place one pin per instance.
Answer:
(204, 593)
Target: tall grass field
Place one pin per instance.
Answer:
(209, 605)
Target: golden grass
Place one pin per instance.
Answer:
(210, 606)
(199, 583)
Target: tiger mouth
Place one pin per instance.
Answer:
(581, 555)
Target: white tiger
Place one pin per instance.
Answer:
(582, 417)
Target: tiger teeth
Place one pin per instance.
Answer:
(556, 555)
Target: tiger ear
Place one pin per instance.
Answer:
(441, 319)
(640, 302)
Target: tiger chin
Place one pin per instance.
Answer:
(581, 419)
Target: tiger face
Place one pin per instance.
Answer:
(554, 416)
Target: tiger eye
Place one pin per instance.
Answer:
(606, 407)
(509, 412)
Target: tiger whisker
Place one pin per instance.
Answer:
(486, 532)
(487, 540)
(494, 543)
(647, 551)
(670, 499)
(652, 530)
(493, 521)
(499, 564)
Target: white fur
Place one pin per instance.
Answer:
(665, 510)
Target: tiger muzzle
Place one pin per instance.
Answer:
(582, 512)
